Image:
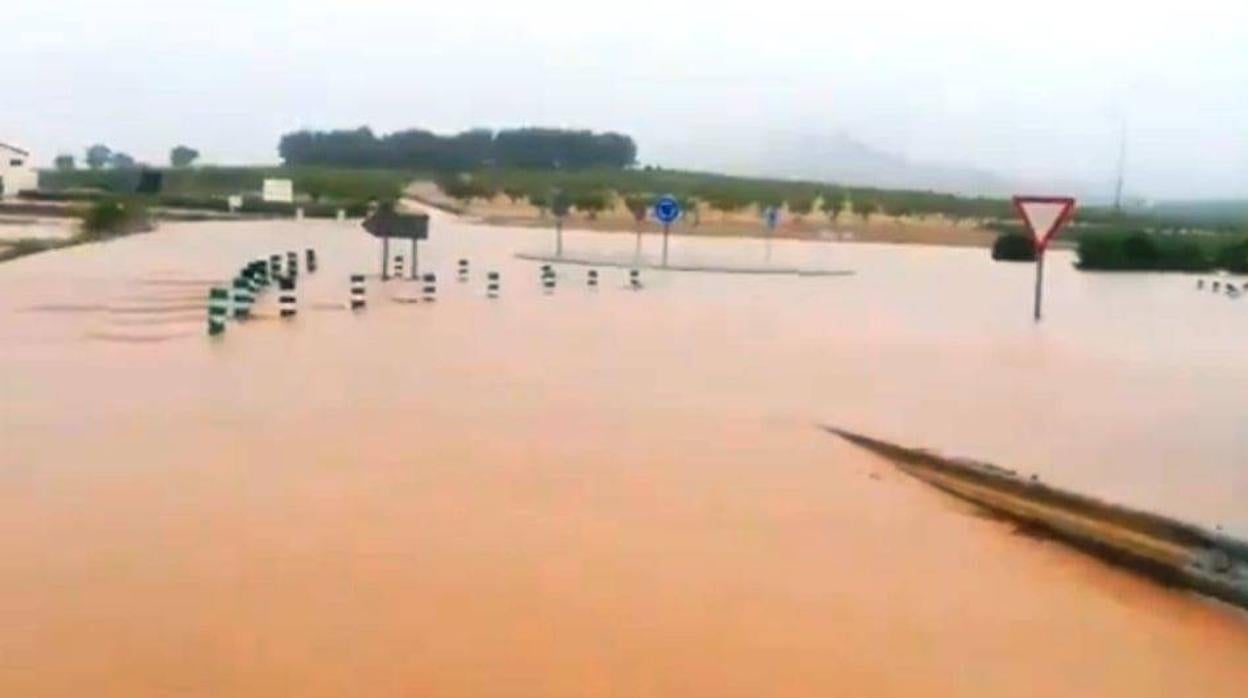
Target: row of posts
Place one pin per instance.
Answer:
(549, 278)
(259, 274)
(254, 277)
(1232, 288)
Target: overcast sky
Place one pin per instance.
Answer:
(1037, 93)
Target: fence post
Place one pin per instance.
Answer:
(491, 284)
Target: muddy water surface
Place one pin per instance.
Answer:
(594, 492)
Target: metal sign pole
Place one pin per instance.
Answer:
(637, 249)
(1039, 281)
(558, 236)
(415, 259)
(666, 227)
(385, 258)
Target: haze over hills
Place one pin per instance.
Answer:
(840, 158)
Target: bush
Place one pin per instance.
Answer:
(1014, 247)
(1139, 251)
(1234, 257)
(1143, 251)
(113, 217)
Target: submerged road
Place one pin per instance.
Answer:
(589, 492)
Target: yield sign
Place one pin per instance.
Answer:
(1044, 216)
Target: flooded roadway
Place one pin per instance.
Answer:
(595, 492)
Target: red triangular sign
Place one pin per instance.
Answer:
(1044, 215)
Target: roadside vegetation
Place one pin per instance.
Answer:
(1138, 250)
(101, 220)
(1014, 247)
(320, 191)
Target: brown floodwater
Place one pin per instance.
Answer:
(596, 493)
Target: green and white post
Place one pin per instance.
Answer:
(218, 308)
(243, 297)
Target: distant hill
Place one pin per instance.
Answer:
(842, 159)
(1210, 212)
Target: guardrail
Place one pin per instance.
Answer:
(1172, 551)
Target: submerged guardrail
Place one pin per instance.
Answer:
(1169, 550)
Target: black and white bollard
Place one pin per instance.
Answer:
(463, 270)
(1200, 283)
(286, 302)
(358, 292)
(309, 260)
(292, 264)
(429, 291)
(591, 278)
(261, 272)
(398, 266)
(275, 266)
(243, 298)
(634, 279)
(491, 285)
(548, 279)
(218, 308)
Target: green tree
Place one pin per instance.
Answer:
(725, 203)
(64, 162)
(183, 156)
(121, 161)
(638, 205)
(592, 202)
(801, 205)
(513, 193)
(867, 209)
(832, 204)
(98, 156)
(689, 209)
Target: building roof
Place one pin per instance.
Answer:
(14, 148)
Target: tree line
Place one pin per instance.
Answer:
(100, 156)
(418, 149)
(595, 189)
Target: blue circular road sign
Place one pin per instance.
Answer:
(667, 209)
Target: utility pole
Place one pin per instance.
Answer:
(1122, 165)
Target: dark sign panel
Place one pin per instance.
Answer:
(385, 223)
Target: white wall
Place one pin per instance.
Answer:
(16, 178)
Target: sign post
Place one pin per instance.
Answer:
(385, 223)
(559, 206)
(1044, 216)
(667, 210)
(771, 218)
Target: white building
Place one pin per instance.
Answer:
(17, 171)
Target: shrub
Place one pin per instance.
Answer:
(1139, 251)
(1142, 251)
(113, 217)
(1014, 247)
